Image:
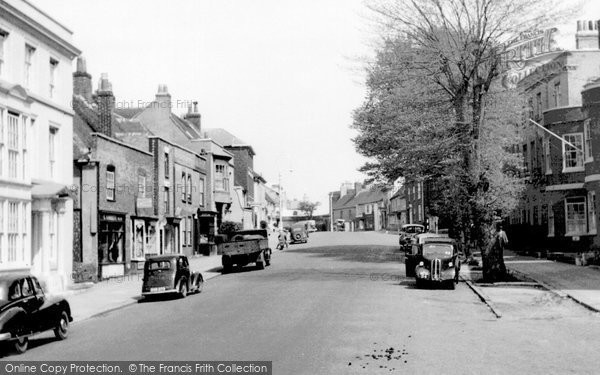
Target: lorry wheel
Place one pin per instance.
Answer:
(260, 263)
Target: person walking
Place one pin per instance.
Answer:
(283, 242)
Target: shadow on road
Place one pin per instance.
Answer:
(356, 253)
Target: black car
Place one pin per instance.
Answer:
(170, 274)
(25, 310)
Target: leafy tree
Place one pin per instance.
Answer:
(436, 109)
(308, 207)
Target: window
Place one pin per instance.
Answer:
(189, 188)
(13, 231)
(2, 142)
(53, 240)
(221, 180)
(29, 53)
(141, 186)
(53, 71)
(556, 94)
(110, 183)
(183, 228)
(550, 221)
(166, 199)
(3, 37)
(201, 189)
(587, 132)
(183, 188)
(576, 220)
(572, 152)
(13, 145)
(52, 151)
(166, 166)
(189, 231)
(538, 105)
(591, 211)
(532, 154)
(547, 159)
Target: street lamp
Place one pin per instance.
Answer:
(281, 201)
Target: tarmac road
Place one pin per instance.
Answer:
(337, 305)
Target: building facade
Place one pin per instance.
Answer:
(36, 123)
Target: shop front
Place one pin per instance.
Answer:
(111, 245)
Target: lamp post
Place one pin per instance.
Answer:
(281, 201)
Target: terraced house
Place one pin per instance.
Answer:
(36, 125)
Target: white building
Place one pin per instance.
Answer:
(36, 121)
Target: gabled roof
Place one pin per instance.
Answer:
(225, 138)
(128, 113)
(370, 196)
(345, 201)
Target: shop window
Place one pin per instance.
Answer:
(112, 239)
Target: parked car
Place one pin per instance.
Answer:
(433, 259)
(25, 310)
(170, 274)
(299, 233)
(406, 233)
(339, 225)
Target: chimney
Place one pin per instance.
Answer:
(587, 35)
(106, 105)
(193, 116)
(358, 187)
(335, 196)
(163, 102)
(82, 81)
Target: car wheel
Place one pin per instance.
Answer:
(268, 258)
(183, 289)
(61, 331)
(297, 237)
(420, 283)
(451, 284)
(21, 344)
(260, 263)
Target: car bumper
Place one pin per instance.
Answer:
(164, 291)
(5, 336)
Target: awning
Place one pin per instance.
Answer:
(47, 189)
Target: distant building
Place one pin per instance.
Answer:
(36, 125)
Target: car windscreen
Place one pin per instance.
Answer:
(437, 250)
(413, 230)
(159, 265)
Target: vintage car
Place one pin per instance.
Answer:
(25, 310)
(298, 233)
(244, 247)
(407, 232)
(170, 274)
(433, 258)
(339, 225)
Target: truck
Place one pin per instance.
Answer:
(245, 247)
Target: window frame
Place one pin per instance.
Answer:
(28, 64)
(111, 179)
(576, 226)
(547, 155)
(183, 187)
(578, 154)
(587, 140)
(591, 212)
(53, 73)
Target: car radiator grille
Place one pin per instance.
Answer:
(436, 269)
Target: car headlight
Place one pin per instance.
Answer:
(421, 264)
(450, 264)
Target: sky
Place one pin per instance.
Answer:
(282, 75)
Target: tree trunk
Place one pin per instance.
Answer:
(492, 256)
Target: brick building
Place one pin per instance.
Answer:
(36, 124)
(557, 210)
(115, 221)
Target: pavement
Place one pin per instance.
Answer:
(580, 283)
(115, 293)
